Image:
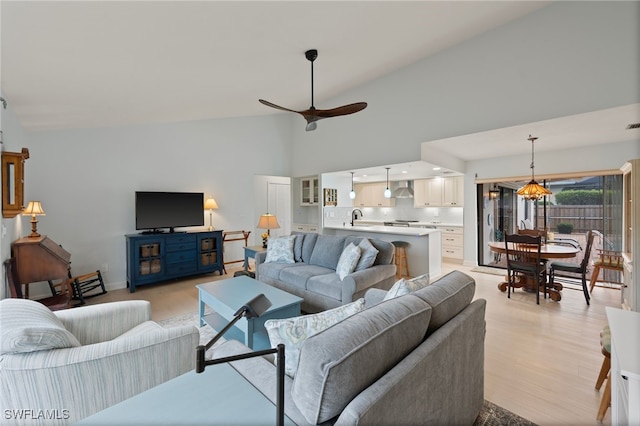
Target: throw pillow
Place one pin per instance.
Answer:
(368, 256)
(402, 287)
(348, 260)
(293, 332)
(280, 250)
(29, 326)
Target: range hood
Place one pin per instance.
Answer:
(403, 189)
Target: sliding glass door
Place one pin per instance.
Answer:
(576, 206)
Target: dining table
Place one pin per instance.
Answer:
(549, 250)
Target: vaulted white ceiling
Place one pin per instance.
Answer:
(81, 64)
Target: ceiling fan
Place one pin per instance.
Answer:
(312, 114)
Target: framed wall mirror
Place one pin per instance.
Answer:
(13, 182)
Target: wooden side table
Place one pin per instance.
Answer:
(250, 252)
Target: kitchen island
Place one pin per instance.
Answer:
(424, 252)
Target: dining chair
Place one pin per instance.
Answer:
(61, 300)
(523, 260)
(573, 270)
(607, 259)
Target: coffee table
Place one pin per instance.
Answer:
(227, 296)
(217, 396)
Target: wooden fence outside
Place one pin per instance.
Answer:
(583, 218)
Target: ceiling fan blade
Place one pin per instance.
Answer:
(312, 115)
(342, 110)
(267, 103)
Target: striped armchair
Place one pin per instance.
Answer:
(59, 367)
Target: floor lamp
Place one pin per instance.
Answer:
(253, 308)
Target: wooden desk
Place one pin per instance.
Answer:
(39, 259)
(547, 251)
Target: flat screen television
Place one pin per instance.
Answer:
(159, 210)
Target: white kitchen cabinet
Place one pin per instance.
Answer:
(453, 191)
(452, 242)
(299, 227)
(372, 195)
(438, 192)
(309, 191)
(427, 192)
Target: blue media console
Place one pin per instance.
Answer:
(152, 258)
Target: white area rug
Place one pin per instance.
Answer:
(206, 333)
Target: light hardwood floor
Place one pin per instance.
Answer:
(541, 361)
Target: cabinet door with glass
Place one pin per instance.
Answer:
(309, 191)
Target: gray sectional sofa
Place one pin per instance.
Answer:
(417, 359)
(313, 274)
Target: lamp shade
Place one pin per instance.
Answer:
(268, 221)
(34, 208)
(533, 191)
(210, 204)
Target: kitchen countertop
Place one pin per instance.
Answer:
(381, 229)
(411, 224)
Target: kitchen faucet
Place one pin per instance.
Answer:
(354, 215)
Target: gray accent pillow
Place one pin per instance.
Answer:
(447, 296)
(280, 250)
(348, 261)
(369, 343)
(297, 246)
(29, 326)
(368, 255)
(402, 287)
(327, 251)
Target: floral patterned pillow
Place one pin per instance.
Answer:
(348, 260)
(293, 332)
(280, 250)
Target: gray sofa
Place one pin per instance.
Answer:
(417, 359)
(313, 275)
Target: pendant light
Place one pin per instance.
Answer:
(352, 194)
(387, 192)
(533, 190)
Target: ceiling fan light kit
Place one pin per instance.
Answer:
(312, 115)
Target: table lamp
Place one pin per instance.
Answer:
(210, 204)
(267, 221)
(34, 208)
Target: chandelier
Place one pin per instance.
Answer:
(533, 190)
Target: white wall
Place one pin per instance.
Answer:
(14, 138)
(86, 178)
(564, 59)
